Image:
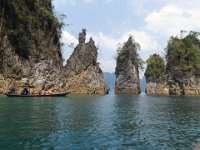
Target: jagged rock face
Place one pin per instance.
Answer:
(30, 47)
(183, 64)
(83, 74)
(186, 86)
(154, 88)
(127, 74)
(30, 52)
(182, 85)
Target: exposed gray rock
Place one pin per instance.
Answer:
(186, 86)
(127, 74)
(83, 74)
(82, 36)
(30, 52)
(154, 88)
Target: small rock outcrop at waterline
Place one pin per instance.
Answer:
(183, 64)
(83, 73)
(127, 73)
(156, 77)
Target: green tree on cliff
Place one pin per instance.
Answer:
(183, 55)
(156, 70)
(129, 49)
(25, 21)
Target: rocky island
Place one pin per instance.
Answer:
(127, 73)
(82, 71)
(183, 64)
(156, 76)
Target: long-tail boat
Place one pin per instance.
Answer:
(26, 93)
(37, 95)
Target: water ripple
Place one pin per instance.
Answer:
(100, 122)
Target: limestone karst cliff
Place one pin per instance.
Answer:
(156, 76)
(83, 73)
(29, 45)
(127, 73)
(30, 52)
(183, 64)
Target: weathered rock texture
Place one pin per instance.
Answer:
(83, 74)
(29, 45)
(186, 86)
(154, 88)
(156, 77)
(30, 52)
(127, 74)
(183, 64)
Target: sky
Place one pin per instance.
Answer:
(110, 22)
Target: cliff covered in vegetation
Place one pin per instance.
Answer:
(30, 52)
(127, 73)
(155, 75)
(183, 64)
(29, 44)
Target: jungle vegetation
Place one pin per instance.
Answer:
(183, 55)
(130, 49)
(156, 69)
(24, 22)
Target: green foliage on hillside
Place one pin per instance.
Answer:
(122, 54)
(156, 70)
(183, 55)
(130, 49)
(25, 21)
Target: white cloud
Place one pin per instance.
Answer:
(108, 65)
(108, 46)
(68, 38)
(170, 19)
(69, 43)
(146, 41)
(104, 41)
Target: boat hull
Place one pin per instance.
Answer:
(50, 95)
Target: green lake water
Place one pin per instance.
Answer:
(100, 122)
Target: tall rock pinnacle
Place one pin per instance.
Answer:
(127, 74)
(83, 74)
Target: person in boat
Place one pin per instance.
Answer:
(25, 92)
(11, 91)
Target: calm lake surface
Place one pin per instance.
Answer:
(100, 122)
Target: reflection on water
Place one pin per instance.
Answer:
(100, 122)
